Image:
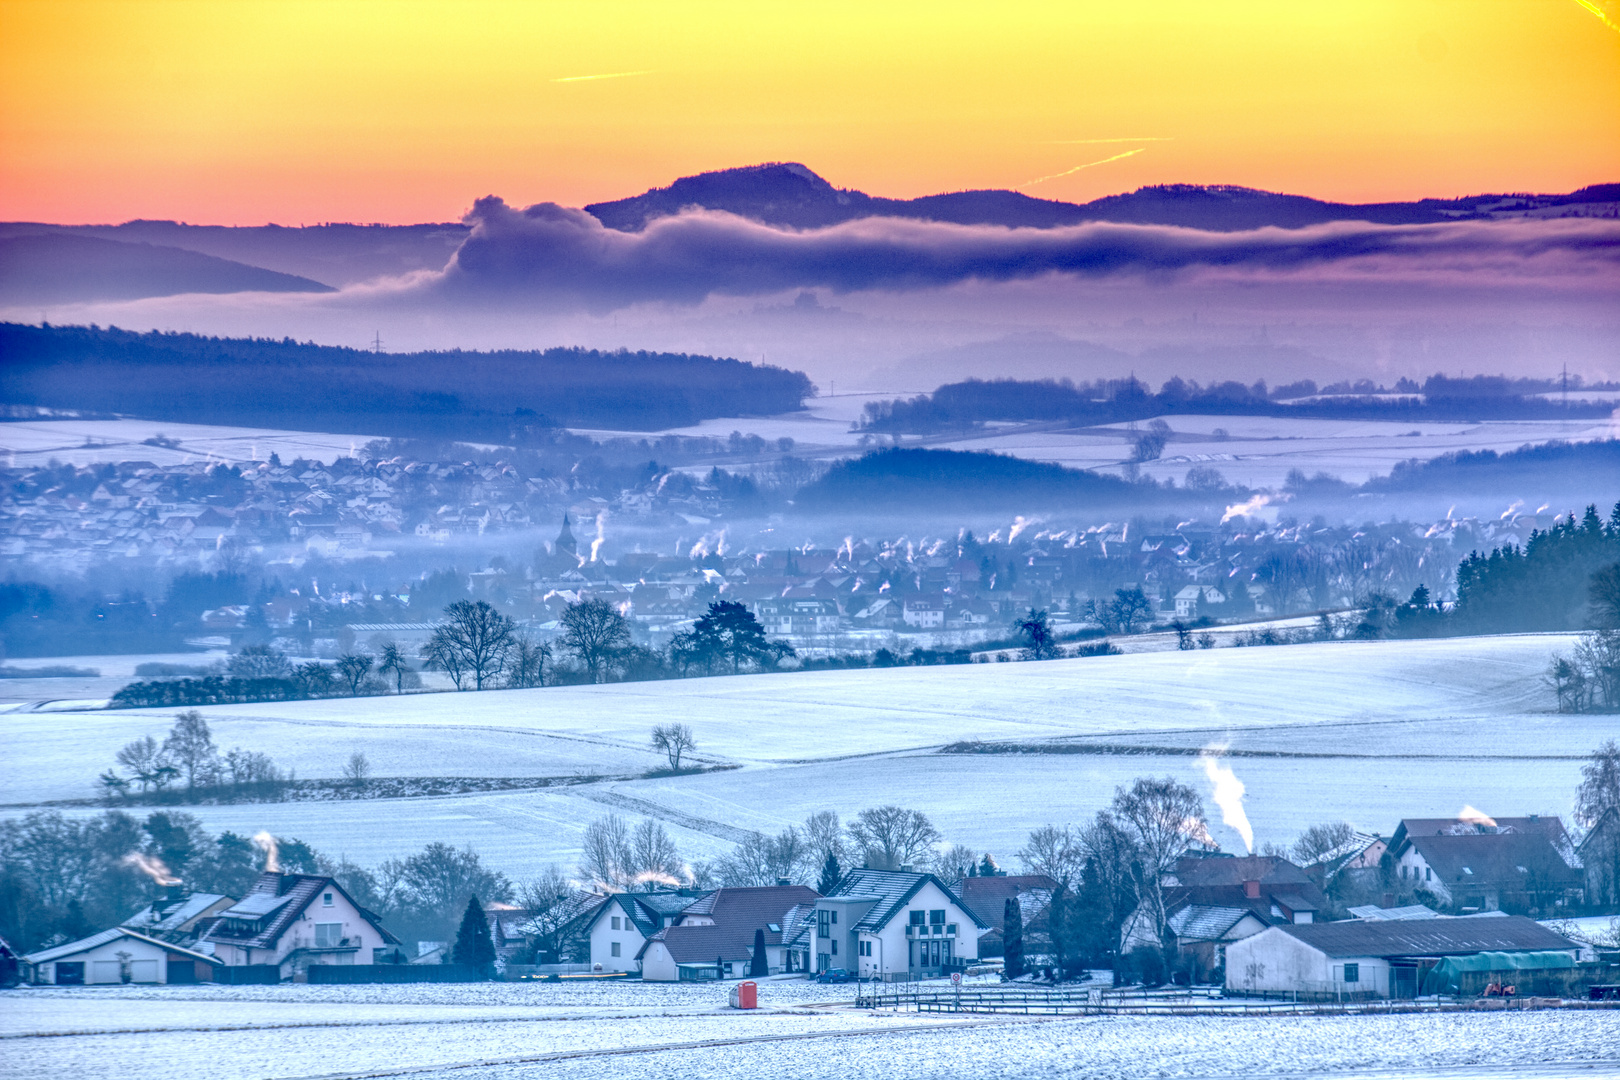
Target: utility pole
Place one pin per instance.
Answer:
(376, 343)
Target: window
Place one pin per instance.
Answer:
(70, 973)
(1428, 873)
(835, 946)
(1352, 973)
(835, 916)
(328, 934)
(614, 949)
(918, 918)
(937, 917)
(326, 900)
(616, 924)
(821, 923)
(774, 928)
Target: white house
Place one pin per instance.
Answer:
(924, 612)
(1190, 596)
(115, 956)
(893, 925)
(295, 920)
(619, 927)
(1381, 959)
(713, 937)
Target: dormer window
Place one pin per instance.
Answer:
(326, 900)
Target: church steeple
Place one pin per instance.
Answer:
(566, 544)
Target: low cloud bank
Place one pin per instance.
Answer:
(554, 256)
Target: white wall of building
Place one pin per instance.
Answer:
(104, 964)
(605, 935)
(1275, 962)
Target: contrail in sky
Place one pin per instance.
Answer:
(1087, 165)
(1144, 138)
(611, 75)
(1602, 15)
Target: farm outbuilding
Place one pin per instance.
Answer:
(118, 956)
(1358, 959)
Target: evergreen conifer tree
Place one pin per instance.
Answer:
(1012, 935)
(757, 967)
(475, 948)
(831, 874)
(987, 866)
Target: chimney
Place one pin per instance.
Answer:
(782, 883)
(175, 891)
(1251, 890)
(1389, 900)
(906, 869)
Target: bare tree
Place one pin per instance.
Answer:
(526, 667)
(357, 770)
(190, 745)
(1057, 853)
(314, 678)
(1037, 634)
(393, 661)
(441, 654)
(596, 633)
(353, 668)
(147, 763)
(653, 860)
(1600, 785)
(605, 856)
(952, 864)
(1161, 816)
(549, 902)
(1318, 840)
(890, 837)
(824, 836)
(481, 637)
(673, 740)
(259, 662)
(764, 860)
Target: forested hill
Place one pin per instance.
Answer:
(967, 404)
(477, 396)
(955, 481)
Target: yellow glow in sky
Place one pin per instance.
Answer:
(241, 113)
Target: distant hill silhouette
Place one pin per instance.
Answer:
(943, 480)
(57, 268)
(790, 195)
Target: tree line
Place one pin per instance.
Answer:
(508, 396)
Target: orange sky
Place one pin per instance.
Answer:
(242, 113)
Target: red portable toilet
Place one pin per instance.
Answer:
(745, 995)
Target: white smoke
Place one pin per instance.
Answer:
(272, 852)
(1247, 508)
(1228, 793)
(601, 534)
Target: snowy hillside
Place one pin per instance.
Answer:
(1367, 732)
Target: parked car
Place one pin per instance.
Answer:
(834, 975)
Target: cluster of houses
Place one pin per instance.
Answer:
(1256, 922)
(183, 514)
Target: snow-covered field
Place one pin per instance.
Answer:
(31, 443)
(1257, 451)
(1367, 732)
(227, 1033)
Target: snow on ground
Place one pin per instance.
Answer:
(634, 1030)
(32, 443)
(1365, 732)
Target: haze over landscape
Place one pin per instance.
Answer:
(518, 518)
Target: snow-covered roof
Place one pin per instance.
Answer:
(1374, 913)
(891, 890)
(1203, 922)
(163, 916)
(256, 905)
(94, 941)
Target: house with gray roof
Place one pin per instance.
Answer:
(891, 925)
(1361, 958)
(713, 937)
(295, 920)
(178, 916)
(618, 927)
